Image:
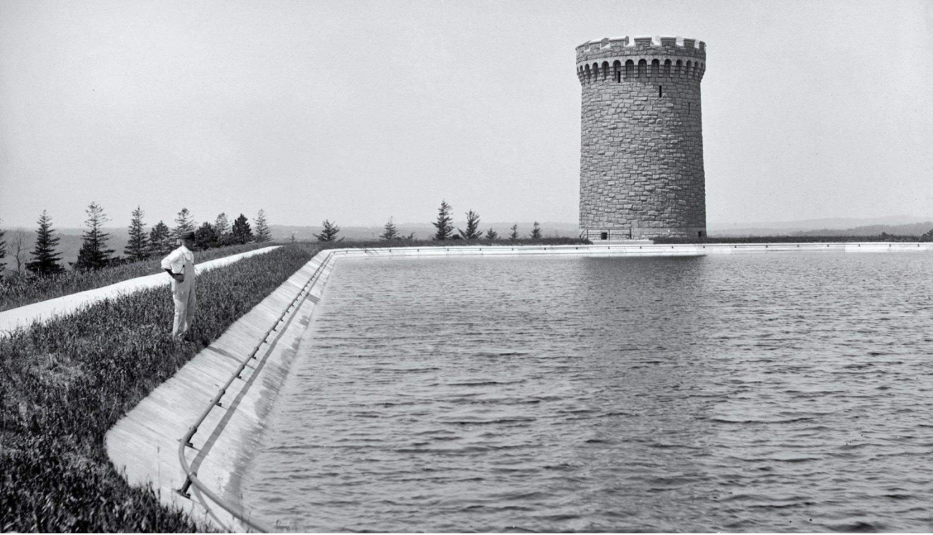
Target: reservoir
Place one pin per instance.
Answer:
(771, 392)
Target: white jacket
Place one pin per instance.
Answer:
(180, 260)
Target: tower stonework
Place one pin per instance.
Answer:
(641, 157)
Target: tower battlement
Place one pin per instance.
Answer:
(641, 157)
(592, 50)
(641, 58)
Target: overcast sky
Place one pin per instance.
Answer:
(360, 110)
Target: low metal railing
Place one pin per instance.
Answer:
(191, 476)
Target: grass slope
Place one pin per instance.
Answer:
(66, 382)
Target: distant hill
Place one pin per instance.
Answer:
(69, 242)
(913, 229)
(845, 226)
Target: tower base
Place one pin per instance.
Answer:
(641, 233)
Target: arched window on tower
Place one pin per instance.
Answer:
(605, 69)
(642, 69)
(667, 68)
(689, 71)
(679, 67)
(587, 71)
(655, 69)
(596, 72)
(617, 70)
(629, 69)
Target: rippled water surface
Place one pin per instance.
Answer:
(772, 392)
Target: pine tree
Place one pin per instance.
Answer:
(444, 223)
(391, 233)
(94, 254)
(160, 239)
(222, 229)
(205, 237)
(492, 235)
(183, 223)
(46, 260)
(138, 246)
(2, 252)
(514, 234)
(329, 233)
(472, 231)
(536, 231)
(242, 233)
(262, 228)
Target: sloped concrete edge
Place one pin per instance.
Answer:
(143, 445)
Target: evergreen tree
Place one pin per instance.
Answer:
(492, 235)
(329, 233)
(514, 234)
(242, 233)
(138, 246)
(444, 223)
(262, 228)
(391, 233)
(183, 223)
(536, 231)
(94, 254)
(205, 237)
(472, 231)
(160, 239)
(222, 229)
(46, 260)
(2, 252)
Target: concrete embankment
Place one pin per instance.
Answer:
(43, 311)
(145, 442)
(645, 249)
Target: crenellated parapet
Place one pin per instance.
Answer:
(641, 58)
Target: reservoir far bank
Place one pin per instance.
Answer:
(744, 393)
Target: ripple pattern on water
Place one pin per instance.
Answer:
(745, 393)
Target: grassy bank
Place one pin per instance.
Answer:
(20, 290)
(66, 382)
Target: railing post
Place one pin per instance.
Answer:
(183, 491)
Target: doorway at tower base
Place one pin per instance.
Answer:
(597, 235)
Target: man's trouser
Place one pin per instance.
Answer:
(183, 295)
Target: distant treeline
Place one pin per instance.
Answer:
(883, 237)
(45, 258)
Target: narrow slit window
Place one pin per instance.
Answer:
(660, 91)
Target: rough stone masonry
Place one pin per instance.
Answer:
(641, 157)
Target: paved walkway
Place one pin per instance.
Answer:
(45, 310)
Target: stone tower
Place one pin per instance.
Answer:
(641, 157)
